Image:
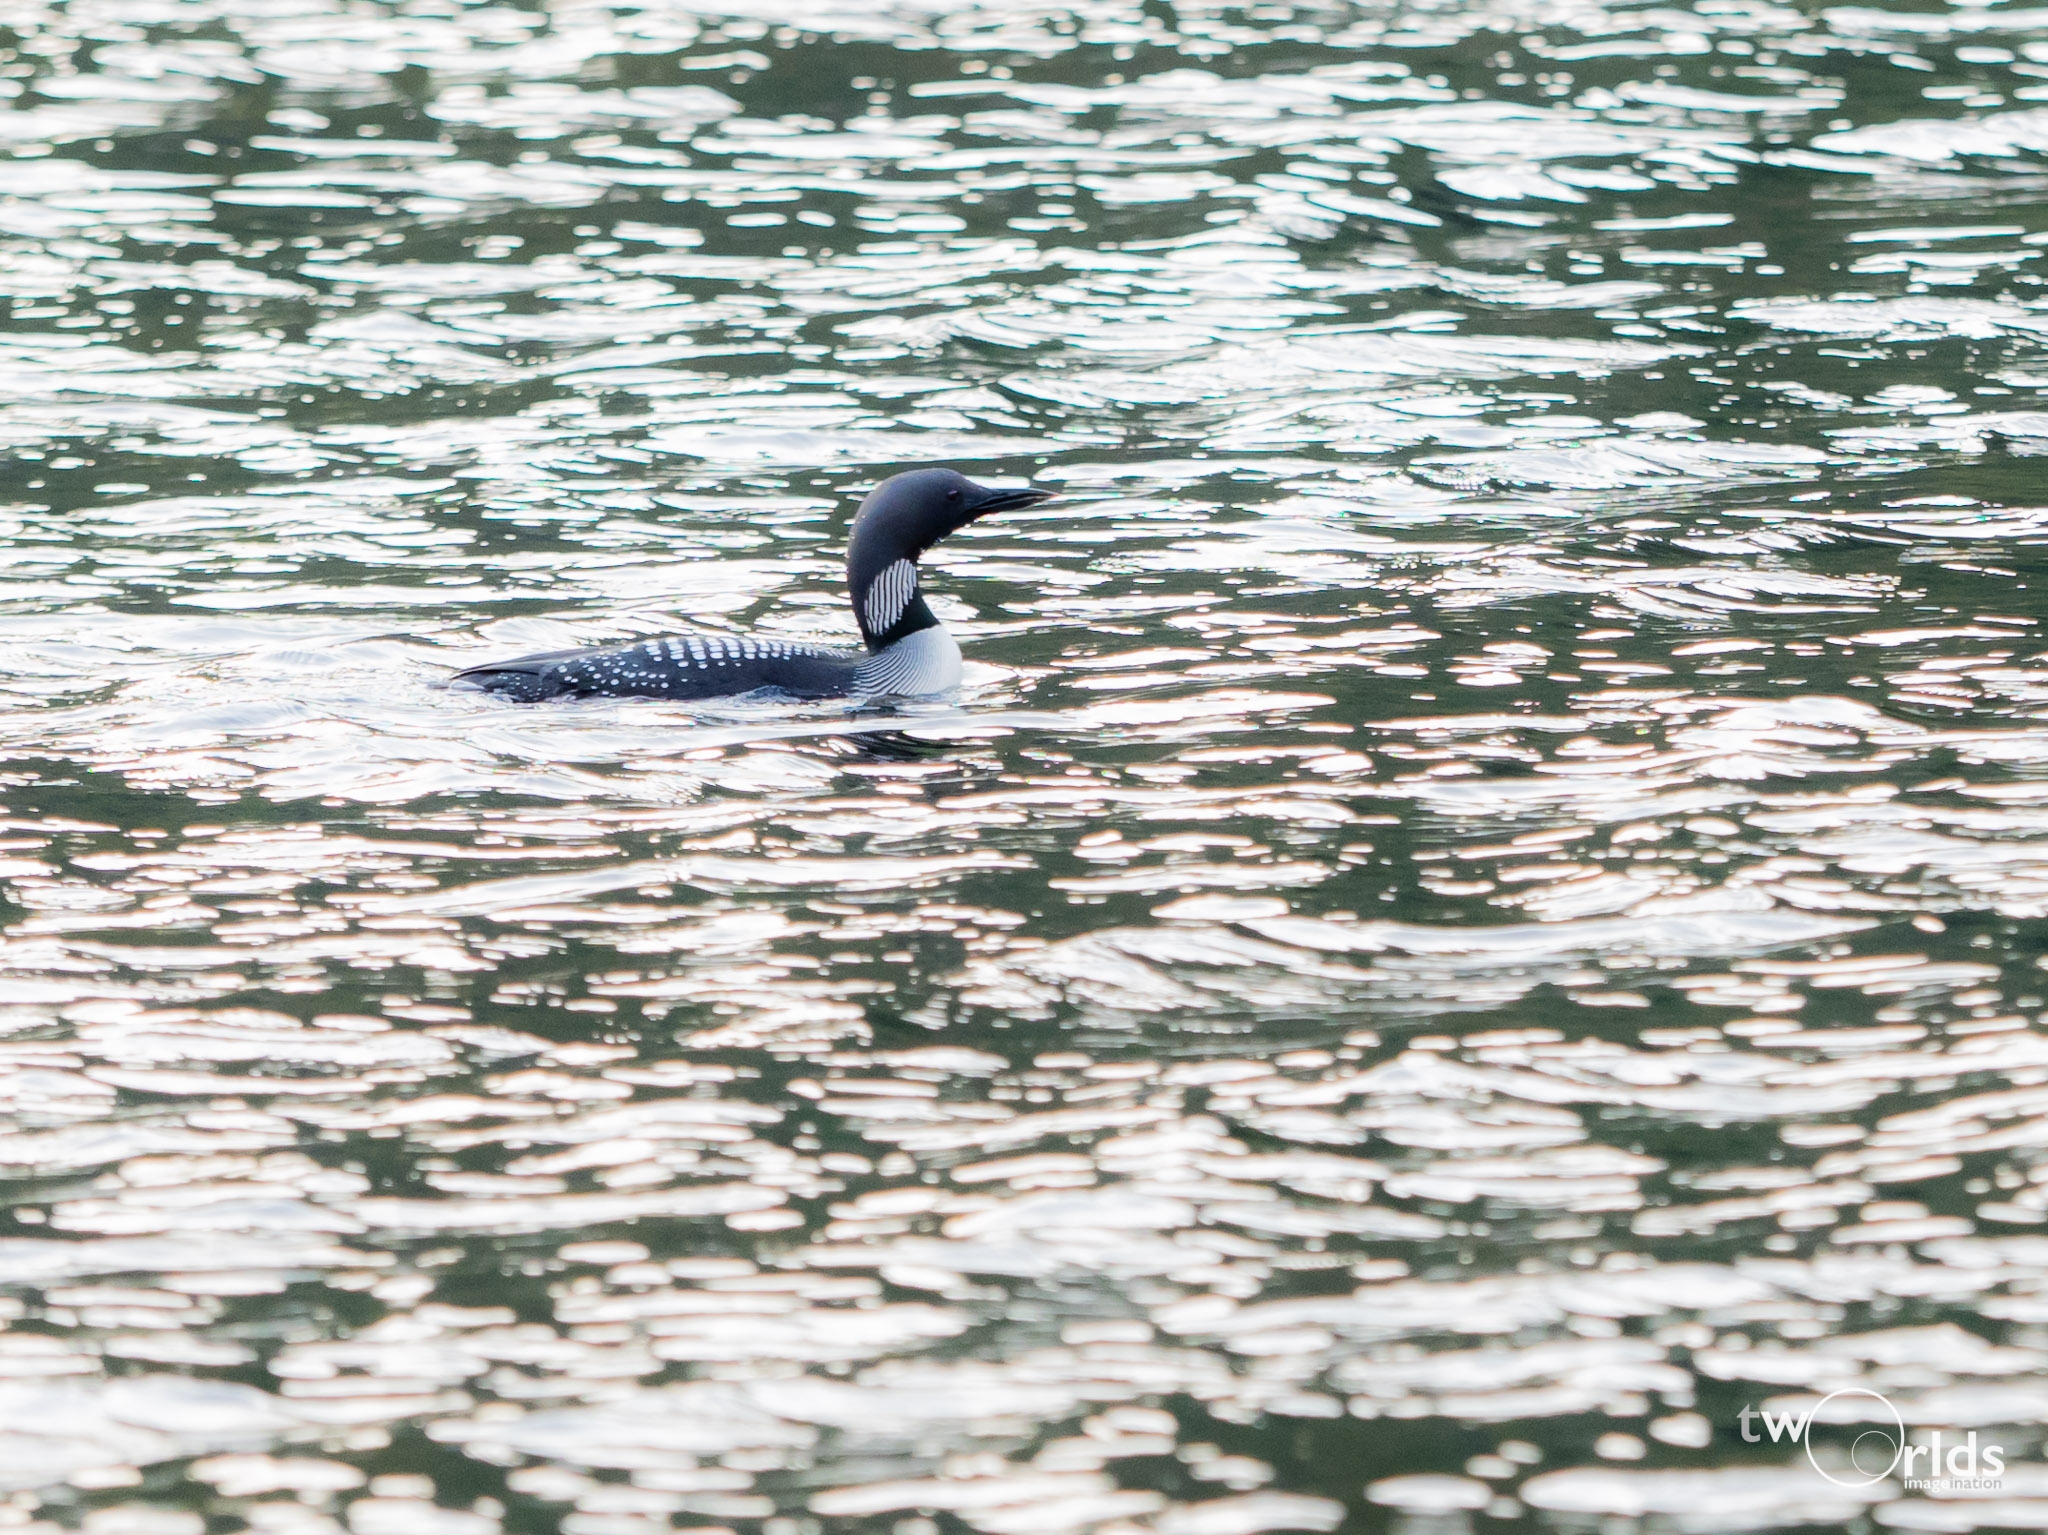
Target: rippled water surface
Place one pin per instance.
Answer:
(1479, 910)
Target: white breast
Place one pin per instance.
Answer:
(925, 662)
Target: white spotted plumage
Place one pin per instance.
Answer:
(888, 595)
(925, 662)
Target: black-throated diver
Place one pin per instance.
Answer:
(908, 649)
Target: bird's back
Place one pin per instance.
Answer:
(682, 666)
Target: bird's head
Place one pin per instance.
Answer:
(898, 521)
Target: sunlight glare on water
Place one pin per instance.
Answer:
(1479, 910)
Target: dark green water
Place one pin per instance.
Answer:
(1478, 914)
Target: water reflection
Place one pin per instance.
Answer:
(1477, 911)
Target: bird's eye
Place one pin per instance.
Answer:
(952, 495)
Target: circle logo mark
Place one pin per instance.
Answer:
(1870, 1445)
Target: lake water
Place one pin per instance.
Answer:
(1478, 914)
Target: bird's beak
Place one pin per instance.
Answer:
(1007, 499)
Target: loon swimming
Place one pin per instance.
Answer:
(909, 650)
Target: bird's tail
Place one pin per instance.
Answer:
(527, 680)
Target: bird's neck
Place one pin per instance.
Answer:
(887, 603)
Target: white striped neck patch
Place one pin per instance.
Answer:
(887, 596)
